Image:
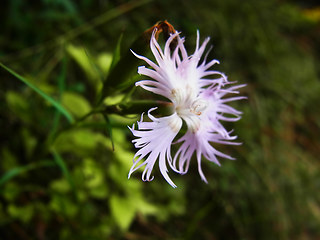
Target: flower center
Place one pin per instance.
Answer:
(189, 107)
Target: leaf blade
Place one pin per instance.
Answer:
(21, 169)
(60, 162)
(56, 104)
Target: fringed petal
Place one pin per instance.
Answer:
(154, 140)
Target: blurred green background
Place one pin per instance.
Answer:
(63, 180)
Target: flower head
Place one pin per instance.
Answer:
(197, 95)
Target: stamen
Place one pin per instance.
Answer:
(198, 106)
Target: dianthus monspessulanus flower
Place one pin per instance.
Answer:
(197, 96)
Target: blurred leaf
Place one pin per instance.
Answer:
(19, 170)
(63, 205)
(313, 14)
(80, 55)
(94, 179)
(104, 62)
(92, 173)
(60, 185)
(75, 103)
(18, 105)
(96, 68)
(80, 141)
(112, 100)
(117, 53)
(109, 129)
(23, 213)
(119, 169)
(61, 87)
(8, 159)
(12, 173)
(10, 191)
(60, 162)
(41, 93)
(68, 5)
(99, 192)
(62, 75)
(105, 226)
(314, 208)
(122, 210)
(30, 142)
(122, 69)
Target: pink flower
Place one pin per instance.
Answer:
(197, 95)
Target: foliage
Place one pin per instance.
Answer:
(65, 157)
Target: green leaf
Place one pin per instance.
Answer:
(95, 67)
(63, 205)
(18, 105)
(104, 62)
(60, 162)
(12, 173)
(123, 211)
(8, 159)
(23, 213)
(56, 104)
(120, 75)
(11, 191)
(62, 75)
(61, 86)
(94, 179)
(75, 103)
(83, 140)
(60, 185)
(116, 53)
(109, 129)
(81, 57)
(19, 170)
(30, 142)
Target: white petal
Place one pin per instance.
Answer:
(155, 143)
